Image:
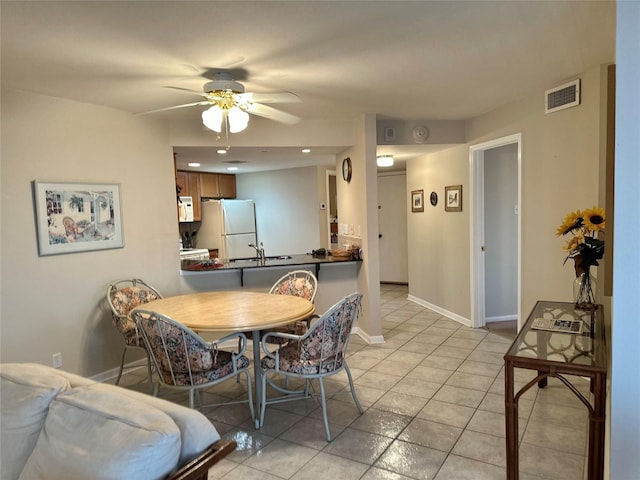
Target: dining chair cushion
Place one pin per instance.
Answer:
(315, 353)
(134, 441)
(124, 300)
(291, 360)
(299, 287)
(190, 363)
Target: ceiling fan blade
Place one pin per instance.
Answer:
(174, 107)
(271, 97)
(273, 114)
(196, 92)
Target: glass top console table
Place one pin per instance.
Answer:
(559, 354)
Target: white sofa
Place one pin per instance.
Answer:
(57, 425)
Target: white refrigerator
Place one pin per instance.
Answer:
(229, 226)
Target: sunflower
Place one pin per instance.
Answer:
(594, 219)
(574, 243)
(572, 221)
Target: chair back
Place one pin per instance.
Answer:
(125, 295)
(181, 356)
(324, 347)
(299, 283)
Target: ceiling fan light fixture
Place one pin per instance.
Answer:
(238, 119)
(212, 118)
(385, 161)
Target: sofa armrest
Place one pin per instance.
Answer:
(198, 468)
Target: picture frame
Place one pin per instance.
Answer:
(417, 201)
(453, 198)
(77, 217)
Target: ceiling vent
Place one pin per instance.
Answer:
(564, 96)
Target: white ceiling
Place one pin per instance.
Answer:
(438, 60)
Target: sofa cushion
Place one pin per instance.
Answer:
(26, 390)
(96, 432)
(197, 431)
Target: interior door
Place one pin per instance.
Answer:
(501, 233)
(392, 225)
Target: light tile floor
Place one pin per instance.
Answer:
(434, 409)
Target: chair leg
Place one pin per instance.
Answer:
(124, 352)
(156, 386)
(191, 403)
(149, 372)
(324, 410)
(353, 390)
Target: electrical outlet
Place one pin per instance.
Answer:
(57, 360)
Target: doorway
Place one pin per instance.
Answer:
(332, 211)
(496, 226)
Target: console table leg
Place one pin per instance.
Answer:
(597, 428)
(511, 422)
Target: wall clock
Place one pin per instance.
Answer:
(433, 198)
(346, 169)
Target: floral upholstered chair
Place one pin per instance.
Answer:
(185, 361)
(319, 353)
(299, 283)
(122, 297)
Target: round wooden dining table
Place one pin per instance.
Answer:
(234, 311)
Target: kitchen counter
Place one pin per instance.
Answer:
(216, 264)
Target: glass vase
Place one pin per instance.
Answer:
(583, 290)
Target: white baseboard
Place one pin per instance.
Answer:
(453, 316)
(502, 318)
(375, 340)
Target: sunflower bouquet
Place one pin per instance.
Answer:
(584, 246)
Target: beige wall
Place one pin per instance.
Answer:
(56, 303)
(358, 207)
(561, 172)
(561, 161)
(438, 240)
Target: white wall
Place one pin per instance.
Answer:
(287, 213)
(625, 374)
(56, 303)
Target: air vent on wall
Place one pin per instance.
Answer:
(564, 96)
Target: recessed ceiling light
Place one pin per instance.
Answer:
(232, 168)
(193, 164)
(306, 150)
(222, 151)
(385, 161)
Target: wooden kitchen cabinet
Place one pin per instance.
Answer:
(217, 185)
(190, 187)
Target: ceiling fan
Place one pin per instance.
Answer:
(230, 105)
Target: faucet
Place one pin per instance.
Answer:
(259, 251)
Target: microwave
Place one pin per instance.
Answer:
(185, 209)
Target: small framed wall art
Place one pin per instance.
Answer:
(77, 217)
(417, 201)
(453, 198)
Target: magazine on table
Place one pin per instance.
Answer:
(557, 325)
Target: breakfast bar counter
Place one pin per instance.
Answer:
(199, 267)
